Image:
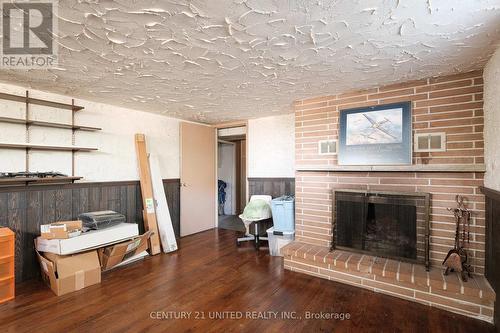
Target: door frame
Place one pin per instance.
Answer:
(233, 187)
(222, 126)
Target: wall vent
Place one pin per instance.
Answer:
(429, 142)
(327, 147)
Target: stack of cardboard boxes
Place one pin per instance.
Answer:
(71, 260)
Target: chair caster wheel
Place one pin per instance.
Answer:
(238, 243)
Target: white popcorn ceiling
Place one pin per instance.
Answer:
(221, 60)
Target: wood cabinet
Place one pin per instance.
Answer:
(7, 280)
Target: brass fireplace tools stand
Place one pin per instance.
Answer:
(456, 259)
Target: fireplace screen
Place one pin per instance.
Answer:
(393, 225)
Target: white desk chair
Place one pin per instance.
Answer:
(247, 222)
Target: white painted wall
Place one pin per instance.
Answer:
(116, 158)
(271, 147)
(491, 76)
(226, 172)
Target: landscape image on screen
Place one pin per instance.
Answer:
(375, 127)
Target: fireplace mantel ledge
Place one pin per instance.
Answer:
(397, 168)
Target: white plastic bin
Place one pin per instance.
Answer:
(278, 239)
(283, 213)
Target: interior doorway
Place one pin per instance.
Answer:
(231, 177)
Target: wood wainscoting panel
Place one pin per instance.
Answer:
(24, 208)
(274, 187)
(492, 266)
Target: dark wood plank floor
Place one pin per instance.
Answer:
(210, 274)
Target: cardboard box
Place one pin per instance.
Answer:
(88, 240)
(61, 230)
(112, 256)
(137, 257)
(65, 274)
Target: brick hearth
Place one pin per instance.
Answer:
(474, 298)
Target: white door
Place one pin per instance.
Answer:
(198, 184)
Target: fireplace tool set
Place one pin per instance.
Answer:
(456, 259)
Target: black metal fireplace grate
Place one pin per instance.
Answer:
(392, 225)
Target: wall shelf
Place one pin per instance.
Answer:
(37, 180)
(44, 147)
(47, 124)
(28, 122)
(29, 100)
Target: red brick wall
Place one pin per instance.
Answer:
(451, 104)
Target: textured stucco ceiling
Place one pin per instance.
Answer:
(221, 60)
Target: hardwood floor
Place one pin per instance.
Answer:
(210, 275)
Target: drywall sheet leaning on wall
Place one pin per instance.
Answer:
(165, 228)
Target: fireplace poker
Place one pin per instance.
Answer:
(456, 259)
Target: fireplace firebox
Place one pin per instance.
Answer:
(385, 224)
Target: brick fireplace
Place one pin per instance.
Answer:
(451, 104)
